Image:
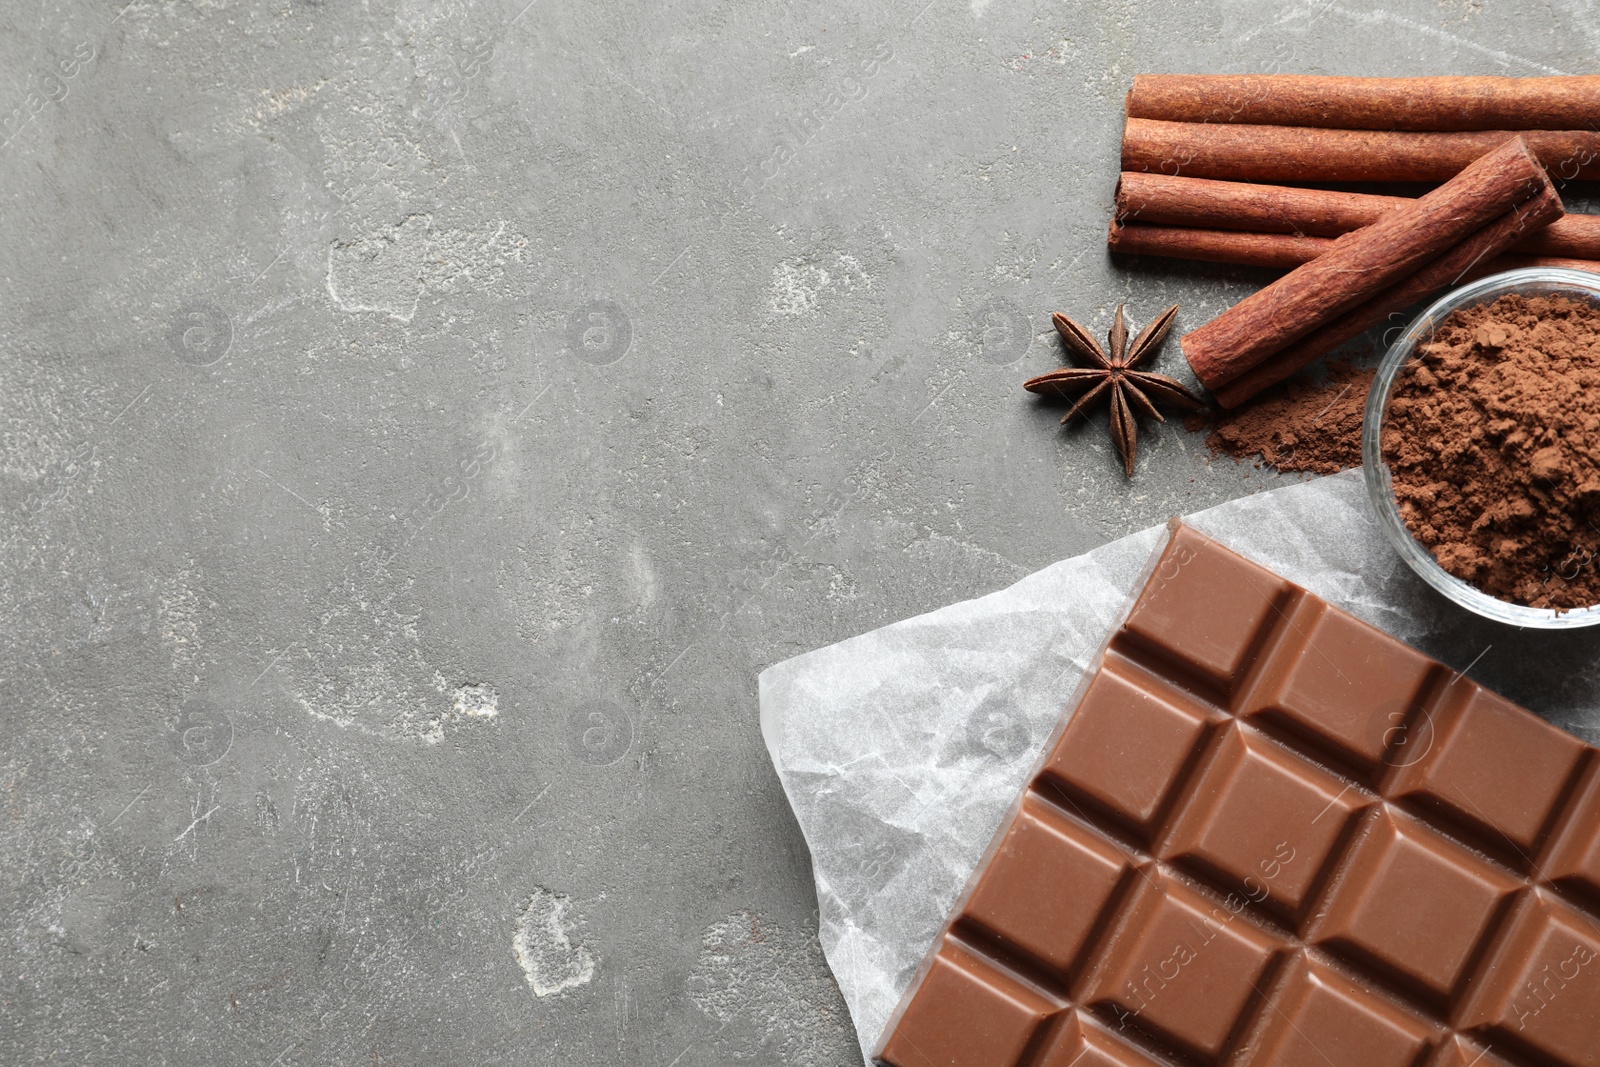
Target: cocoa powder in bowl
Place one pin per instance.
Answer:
(1492, 437)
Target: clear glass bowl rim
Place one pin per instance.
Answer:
(1380, 490)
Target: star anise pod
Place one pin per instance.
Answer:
(1115, 374)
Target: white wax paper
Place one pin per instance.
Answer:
(902, 750)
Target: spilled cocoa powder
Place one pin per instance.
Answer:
(1493, 440)
(1299, 426)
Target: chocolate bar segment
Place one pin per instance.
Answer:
(968, 1012)
(1270, 835)
(1128, 745)
(1318, 1012)
(1079, 1042)
(1019, 902)
(1497, 769)
(1203, 618)
(1250, 801)
(1541, 987)
(1575, 859)
(1187, 967)
(1351, 696)
(1412, 905)
(1457, 1051)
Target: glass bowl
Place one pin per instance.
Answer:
(1535, 281)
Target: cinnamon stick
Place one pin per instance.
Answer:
(1364, 263)
(1216, 205)
(1283, 251)
(1473, 257)
(1307, 154)
(1440, 103)
(1280, 251)
(1176, 200)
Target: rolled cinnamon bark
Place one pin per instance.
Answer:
(1279, 251)
(1176, 200)
(1475, 256)
(1364, 263)
(1442, 103)
(1307, 154)
(1283, 251)
(1216, 205)
(1516, 262)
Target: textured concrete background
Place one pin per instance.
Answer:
(422, 421)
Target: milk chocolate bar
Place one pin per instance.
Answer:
(1270, 834)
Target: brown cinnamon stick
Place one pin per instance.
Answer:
(1307, 154)
(1278, 251)
(1217, 205)
(1474, 257)
(1177, 200)
(1517, 262)
(1441, 103)
(1283, 251)
(1364, 263)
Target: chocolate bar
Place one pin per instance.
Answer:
(1270, 835)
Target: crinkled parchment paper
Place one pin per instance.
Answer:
(901, 750)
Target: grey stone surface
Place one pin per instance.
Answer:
(420, 422)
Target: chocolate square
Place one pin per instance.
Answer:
(968, 1013)
(1046, 886)
(1125, 746)
(1185, 966)
(1320, 1015)
(1412, 903)
(1496, 768)
(1261, 821)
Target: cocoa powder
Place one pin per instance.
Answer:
(1493, 440)
(1302, 425)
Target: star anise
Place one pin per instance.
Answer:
(1115, 374)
